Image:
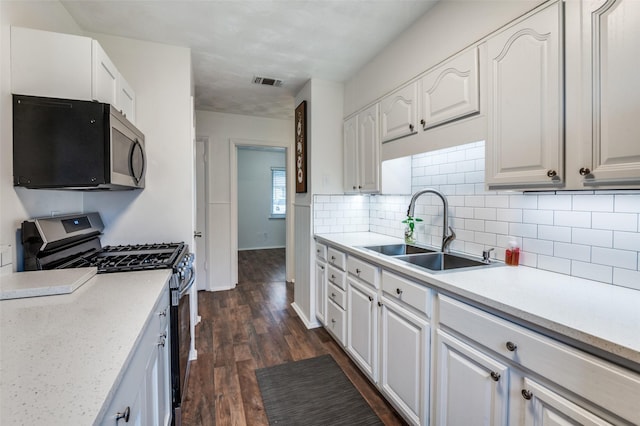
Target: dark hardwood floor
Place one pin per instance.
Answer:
(251, 327)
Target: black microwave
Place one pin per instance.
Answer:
(71, 144)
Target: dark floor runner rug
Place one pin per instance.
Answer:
(313, 391)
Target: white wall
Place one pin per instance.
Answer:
(221, 129)
(256, 228)
(164, 210)
(19, 204)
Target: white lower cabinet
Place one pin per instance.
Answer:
(471, 387)
(321, 291)
(544, 407)
(404, 361)
(362, 327)
(143, 396)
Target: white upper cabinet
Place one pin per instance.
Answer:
(126, 99)
(609, 139)
(525, 142)
(362, 152)
(398, 113)
(451, 90)
(350, 140)
(67, 66)
(105, 76)
(50, 64)
(369, 150)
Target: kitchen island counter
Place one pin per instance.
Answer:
(597, 317)
(62, 357)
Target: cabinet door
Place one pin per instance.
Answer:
(362, 327)
(404, 362)
(350, 133)
(164, 375)
(321, 292)
(472, 388)
(543, 407)
(398, 113)
(451, 90)
(50, 64)
(126, 99)
(369, 150)
(105, 76)
(525, 142)
(611, 46)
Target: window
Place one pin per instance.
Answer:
(278, 192)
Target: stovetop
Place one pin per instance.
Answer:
(123, 258)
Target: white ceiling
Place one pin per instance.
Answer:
(233, 41)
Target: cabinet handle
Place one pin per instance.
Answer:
(511, 346)
(380, 304)
(411, 127)
(527, 394)
(370, 299)
(163, 339)
(163, 313)
(125, 415)
(358, 271)
(398, 291)
(495, 376)
(552, 173)
(423, 122)
(584, 171)
(333, 258)
(359, 186)
(333, 295)
(354, 187)
(322, 268)
(333, 320)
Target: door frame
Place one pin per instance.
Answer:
(234, 144)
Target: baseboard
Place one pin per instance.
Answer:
(304, 319)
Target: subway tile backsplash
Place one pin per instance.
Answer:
(588, 234)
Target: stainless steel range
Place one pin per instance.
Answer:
(73, 241)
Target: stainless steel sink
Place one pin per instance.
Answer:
(436, 262)
(399, 249)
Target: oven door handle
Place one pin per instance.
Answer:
(191, 281)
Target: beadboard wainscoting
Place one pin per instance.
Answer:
(587, 234)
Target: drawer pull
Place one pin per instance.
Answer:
(333, 258)
(380, 304)
(125, 415)
(398, 291)
(527, 394)
(511, 346)
(358, 271)
(333, 295)
(333, 277)
(333, 320)
(163, 313)
(370, 299)
(495, 376)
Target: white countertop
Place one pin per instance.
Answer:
(17, 285)
(62, 356)
(600, 316)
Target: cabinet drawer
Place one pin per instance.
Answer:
(321, 251)
(363, 270)
(601, 382)
(412, 294)
(337, 258)
(337, 277)
(336, 323)
(337, 295)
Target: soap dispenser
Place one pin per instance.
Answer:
(512, 254)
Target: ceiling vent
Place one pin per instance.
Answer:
(267, 81)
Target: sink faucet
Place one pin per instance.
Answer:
(447, 237)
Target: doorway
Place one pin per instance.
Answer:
(268, 220)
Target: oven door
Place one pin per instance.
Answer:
(184, 307)
(128, 161)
